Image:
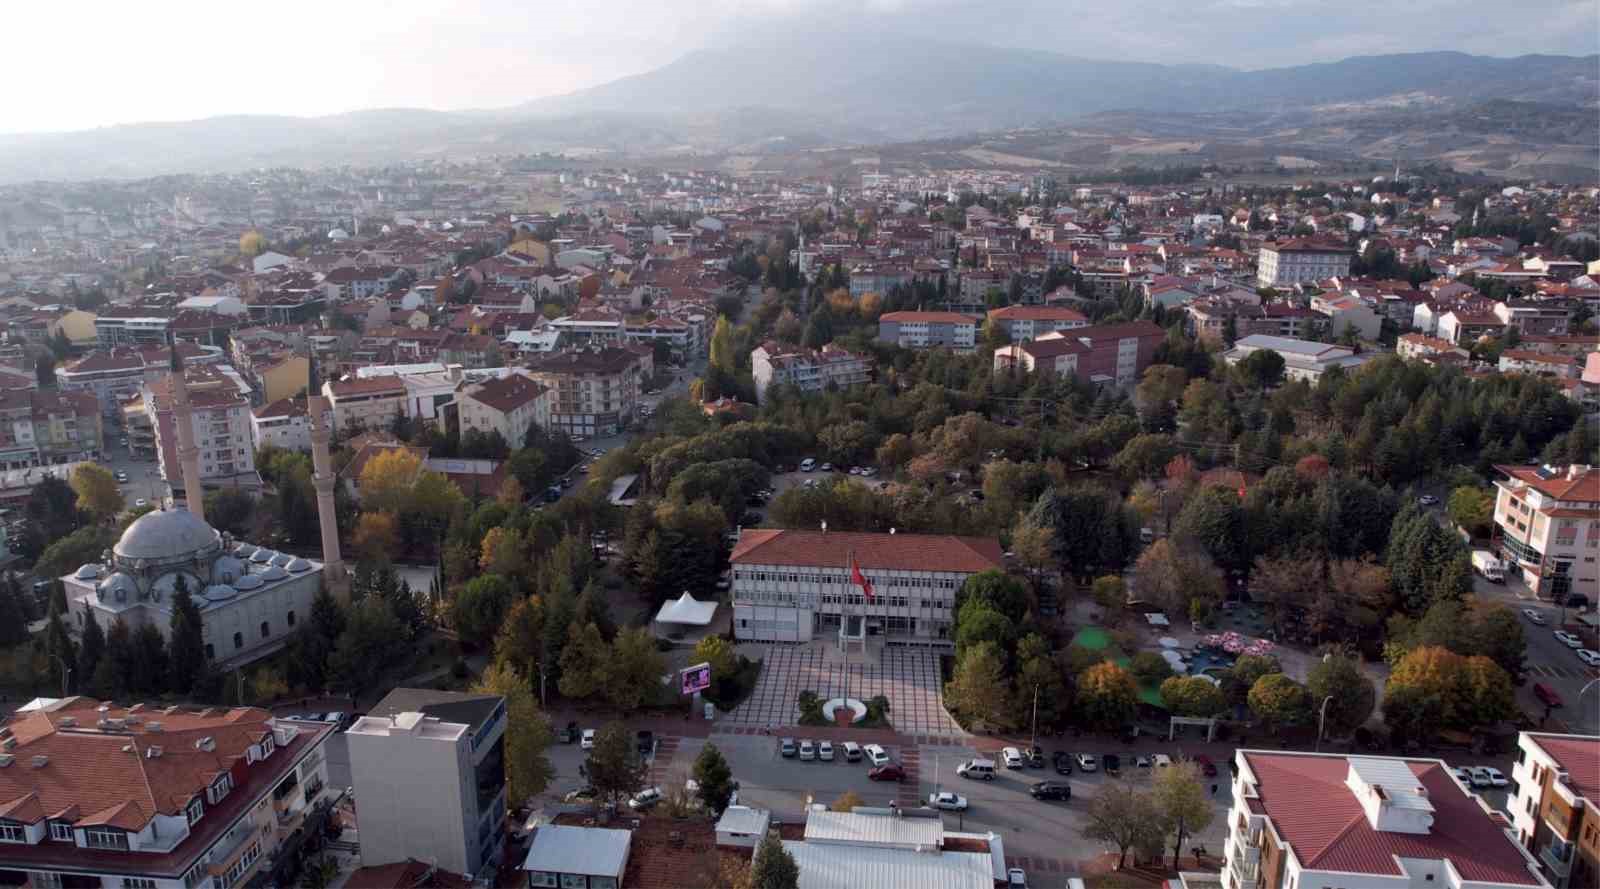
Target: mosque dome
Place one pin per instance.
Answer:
(227, 569)
(166, 535)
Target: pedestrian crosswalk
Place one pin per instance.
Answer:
(1577, 671)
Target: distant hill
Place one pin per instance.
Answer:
(803, 94)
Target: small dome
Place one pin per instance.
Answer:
(273, 572)
(227, 570)
(167, 584)
(299, 565)
(87, 572)
(118, 587)
(282, 559)
(248, 582)
(262, 556)
(219, 592)
(165, 534)
(245, 550)
(338, 234)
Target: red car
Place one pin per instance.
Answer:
(889, 771)
(1206, 765)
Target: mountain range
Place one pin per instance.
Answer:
(781, 98)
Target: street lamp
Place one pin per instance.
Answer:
(1322, 720)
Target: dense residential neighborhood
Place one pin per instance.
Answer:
(551, 521)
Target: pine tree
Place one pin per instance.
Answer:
(187, 656)
(111, 674)
(13, 614)
(57, 642)
(774, 867)
(91, 650)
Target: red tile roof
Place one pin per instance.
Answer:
(1312, 809)
(507, 393)
(1580, 756)
(927, 318)
(884, 552)
(1583, 486)
(1036, 313)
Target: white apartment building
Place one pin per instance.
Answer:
(155, 797)
(429, 770)
(1026, 323)
(793, 586)
(368, 403)
(115, 375)
(508, 405)
(1300, 261)
(1547, 525)
(1309, 820)
(920, 330)
(595, 391)
(284, 424)
(1555, 787)
(222, 429)
(809, 370)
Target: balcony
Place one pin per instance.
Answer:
(1245, 876)
(1557, 858)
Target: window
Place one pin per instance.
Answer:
(220, 788)
(291, 618)
(44, 880)
(574, 881)
(541, 878)
(196, 808)
(105, 838)
(238, 640)
(211, 653)
(12, 832)
(265, 630)
(138, 883)
(61, 830)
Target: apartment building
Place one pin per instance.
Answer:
(594, 391)
(1555, 786)
(1547, 526)
(1300, 261)
(1024, 323)
(1208, 319)
(285, 424)
(920, 330)
(1551, 317)
(222, 428)
(1105, 355)
(137, 796)
(429, 769)
(1347, 312)
(508, 405)
(1302, 359)
(1421, 347)
(43, 428)
(366, 403)
(1463, 328)
(793, 586)
(115, 375)
(1308, 820)
(132, 326)
(809, 370)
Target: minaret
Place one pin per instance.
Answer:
(323, 480)
(188, 454)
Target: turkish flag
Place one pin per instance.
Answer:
(860, 579)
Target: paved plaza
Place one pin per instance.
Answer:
(908, 677)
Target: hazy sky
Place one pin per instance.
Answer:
(87, 64)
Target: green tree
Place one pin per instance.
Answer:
(91, 650)
(1263, 367)
(1107, 696)
(187, 642)
(1149, 668)
(1192, 696)
(1352, 694)
(613, 768)
(979, 623)
(1173, 574)
(231, 510)
(1279, 701)
(149, 666)
(633, 669)
(977, 688)
(97, 490)
(998, 590)
(480, 608)
(527, 744)
(372, 641)
(1110, 592)
(1038, 680)
(1214, 518)
(715, 777)
(722, 346)
(719, 653)
(1125, 817)
(773, 866)
(57, 641)
(583, 662)
(1244, 674)
(1182, 801)
(115, 669)
(80, 547)
(519, 642)
(1144, 456)
(1427, 564)
(1472, 508)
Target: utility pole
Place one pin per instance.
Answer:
(1033, 733)
(1322, 720)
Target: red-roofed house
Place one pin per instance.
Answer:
(1023, 323)
(1555, 788)
(508, 405)
(792, 586)
(1314, 820)
(919, 330)
(1106, 354)
(1547, 523)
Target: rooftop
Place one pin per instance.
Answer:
(1579, 756)
(1576, 482)
(594, 851)
(472, 710)
(883, 552)
(829, 866)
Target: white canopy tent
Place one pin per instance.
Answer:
(686, 610)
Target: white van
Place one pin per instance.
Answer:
(852, 751)
(977, 769)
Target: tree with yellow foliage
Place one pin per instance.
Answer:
(98, 494)
(252, 244)
(387, 480)
(377, 536)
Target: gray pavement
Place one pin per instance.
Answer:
(909, 678)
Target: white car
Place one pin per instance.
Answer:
(1016, 878)
(588, 739)
(876, 754)
(949, 802)
(141, 503)
(1567, 639)
(1428, 500)
(808, 750)
(1162, 760)
(825, 751)
(1495, 776)
(645, 798)
(1479, 777)
(1087, 763)
(1012, 757)
(807, 464)
(1589, 656)
(1461, 775)
(852, 751)
(1533, 615)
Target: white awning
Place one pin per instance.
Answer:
(686, 610)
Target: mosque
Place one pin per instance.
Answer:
(250, 597)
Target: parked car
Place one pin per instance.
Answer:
(569, 735)
(645, 799)
(1060, 790)
(1567, 639)
(889, 771)
(852, 751)
(808, 750)
(1161, 760)
(1589, 656)
(825, 751)
(122, 476)
(1012, 757)
(1495, 776)
(141, 503)
(1016, 878)
(807, 464)
(1461, 775)
(948, 802)
(1113, 763)
(583, 795)
(1547, 695)
(1086, 762)
(1035, 757)
(826, 467)
(787, 748)
(1478, 776)
(1207, 767)
(588, 739)
(647, 743)
(1062, 760)
(1142, 761)
(1533, 615)
(876, 754)
(1428, 500)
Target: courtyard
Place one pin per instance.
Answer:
(908, 677)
